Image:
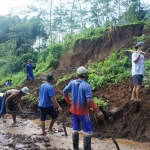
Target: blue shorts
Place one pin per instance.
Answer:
(30, 76)
(51, 111)
(11, 105)
(85, 121)
(137, 79)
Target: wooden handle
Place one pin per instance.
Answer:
(110, 134)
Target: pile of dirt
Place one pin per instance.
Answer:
(126, 119)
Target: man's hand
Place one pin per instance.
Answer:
(21, 111)
(7, 110)
(100, 115)
(141, 52)
(60, 109)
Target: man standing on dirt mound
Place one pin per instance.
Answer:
(30, 67)
(137, 69)
(47, 100)
(8, 101)
(81, 100)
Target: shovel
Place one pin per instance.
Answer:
(64, 127)
(17, 112)
(110, 134)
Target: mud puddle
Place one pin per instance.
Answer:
(25, 136)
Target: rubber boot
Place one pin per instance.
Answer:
(87, 143)
(75, 140)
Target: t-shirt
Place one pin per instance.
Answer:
(81, 96)
(137, 68)
(46, 91)
(9, 83)
(29, 68)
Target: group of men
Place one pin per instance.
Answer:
(79, 103)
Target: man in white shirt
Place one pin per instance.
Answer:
(137, 69)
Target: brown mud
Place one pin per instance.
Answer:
(25, 135)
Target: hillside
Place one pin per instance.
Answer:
(127, 119)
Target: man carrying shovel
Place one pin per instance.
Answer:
(138, 69)
(8, 101)
(81, 100)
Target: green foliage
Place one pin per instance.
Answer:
(113, 70)
(65, 78)
(141, 38)
(101, 102)
(88, 34)
(147, 71)
(17, 79)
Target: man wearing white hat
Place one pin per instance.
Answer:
(81, 101)
(138, 69)
(8, 104)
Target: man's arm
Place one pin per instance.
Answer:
(65, 92)
(88, 94)
(67, 99)
(34, 66)
(96, 109)
(27, 69)
(56, 103)
(136, 59)
(19, 104)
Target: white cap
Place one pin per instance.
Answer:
(25, 90)
(81, 71)
(139, 44)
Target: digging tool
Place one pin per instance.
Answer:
(110, 134)
(129, 53)
(17, 112)
(64, 127)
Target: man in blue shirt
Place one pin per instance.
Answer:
(30, 67)
(9, 83)
(47, 100)
(81, 101)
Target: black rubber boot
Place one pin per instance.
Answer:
(75, 140)
(87, 143)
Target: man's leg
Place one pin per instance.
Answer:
(31, 81)
(87, 142)
(42, 118)
(138, 91)
(51, 125)
(14, 118)
(133, 93)
(43, 128)
(75, 140)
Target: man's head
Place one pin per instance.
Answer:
(49, 78)
(25, 90)
(30, 61)
(82, 72)
(140, 45)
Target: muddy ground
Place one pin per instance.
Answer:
(25, 135)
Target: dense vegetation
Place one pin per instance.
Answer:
(53, 30)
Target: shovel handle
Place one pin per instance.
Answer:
(110, 134)
(64, 128)
(17, 112)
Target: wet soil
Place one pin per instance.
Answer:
(25, 135)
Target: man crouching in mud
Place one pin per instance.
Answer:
(8, 103)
